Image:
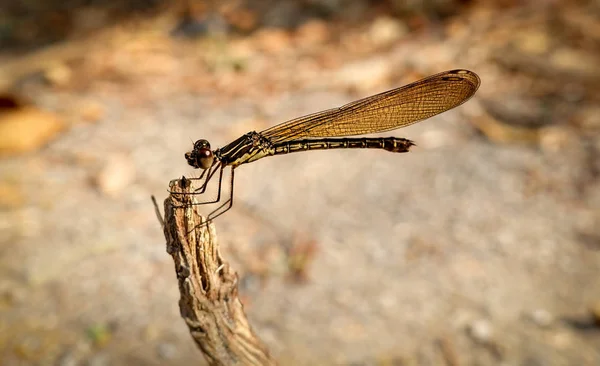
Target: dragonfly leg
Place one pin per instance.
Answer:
(213, 170)
(209, 201)
(226, 205)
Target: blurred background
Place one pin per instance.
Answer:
(479, 247)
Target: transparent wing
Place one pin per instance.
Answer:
(385, 111)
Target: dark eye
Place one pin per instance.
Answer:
(201, 144)
(205, 158)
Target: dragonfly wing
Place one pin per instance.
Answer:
(386, 111)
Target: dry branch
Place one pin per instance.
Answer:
(209, 301)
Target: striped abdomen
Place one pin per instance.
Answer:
(392, 144)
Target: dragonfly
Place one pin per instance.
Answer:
(328, 129)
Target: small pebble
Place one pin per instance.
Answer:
(117, 174)
(556, 139)
(272, 40)
(533, 43)
(58, 75)
(166, 351)
(481, 331)
(386, 30)
(312, 33)
(91, 111)
(542, 317)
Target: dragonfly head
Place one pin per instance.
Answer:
(201, 156)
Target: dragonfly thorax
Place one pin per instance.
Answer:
(249, 147)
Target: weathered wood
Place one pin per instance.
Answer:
(209, 301)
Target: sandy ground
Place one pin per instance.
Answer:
(462, 252)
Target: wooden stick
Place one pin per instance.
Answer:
(209, 301)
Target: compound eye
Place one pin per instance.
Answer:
(205, 158)
(201, 144)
